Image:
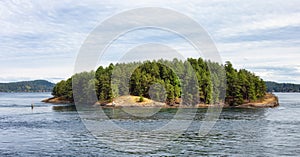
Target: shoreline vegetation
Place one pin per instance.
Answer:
(165, 83)
(269, 101)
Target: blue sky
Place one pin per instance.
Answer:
(41, 39)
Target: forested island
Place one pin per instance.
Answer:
(211, 81)
(282, 87)
(27, 86)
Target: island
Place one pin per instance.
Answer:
(27, 86)
(165, 83)
(282, 87)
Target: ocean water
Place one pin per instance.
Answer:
(53, 130)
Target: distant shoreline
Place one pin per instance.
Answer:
(36, 86)
(269, 101)
(29, 92)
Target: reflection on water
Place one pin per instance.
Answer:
(57, 130)
(64, 108)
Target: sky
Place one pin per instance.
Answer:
(41, 39)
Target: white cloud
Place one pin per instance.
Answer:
(41, 38)
(266, 23)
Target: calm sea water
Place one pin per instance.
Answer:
(58, 131)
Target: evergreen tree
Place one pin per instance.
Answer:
(180, 79)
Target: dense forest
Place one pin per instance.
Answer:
(282, 87)
(27, 86)
(191, 81)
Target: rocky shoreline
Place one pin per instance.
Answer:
(269, 101)
(57, 100)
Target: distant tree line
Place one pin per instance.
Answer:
(194, 80)
(282, 87)
(27, 86)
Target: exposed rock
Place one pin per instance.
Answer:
(57, 100)
(269, 100)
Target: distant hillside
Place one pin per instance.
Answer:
(27, 86)
(282, 87)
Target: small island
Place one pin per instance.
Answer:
(167, 84)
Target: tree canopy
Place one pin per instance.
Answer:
(193, 80)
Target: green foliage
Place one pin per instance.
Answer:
(141, 99)
(282, 87)
(243, 86)
(84, 87)
(27, 86)
(178, 78)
